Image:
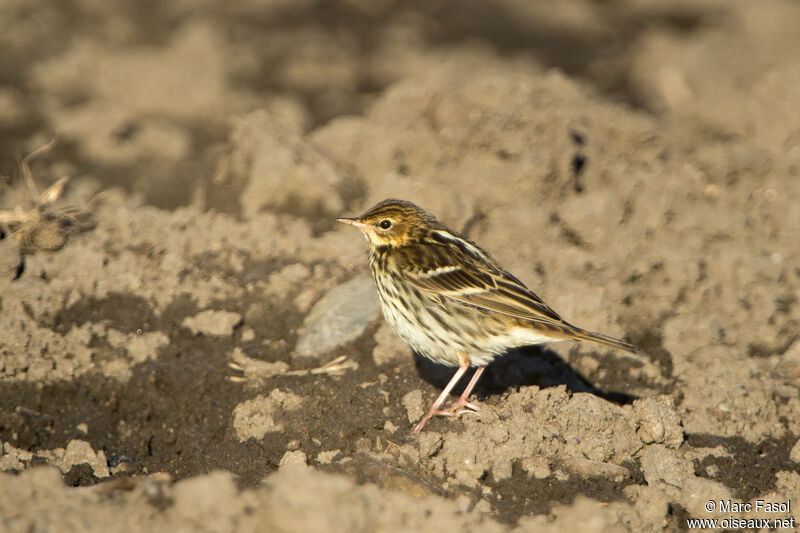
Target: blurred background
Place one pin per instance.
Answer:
(141, 93)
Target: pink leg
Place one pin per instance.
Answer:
(462, 400)
(434, 410)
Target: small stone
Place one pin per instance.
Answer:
(389, 427)
(341, 316)
(293, 445)
(213, 323)
(412, 401)
(294, 458)
(79, 452)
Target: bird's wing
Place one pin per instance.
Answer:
(450, 266)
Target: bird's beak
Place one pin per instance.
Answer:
(353, 222)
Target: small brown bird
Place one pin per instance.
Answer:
(450, 300)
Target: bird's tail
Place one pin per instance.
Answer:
(608, 341)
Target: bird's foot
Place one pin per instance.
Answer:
(457, 409)
(462, 406)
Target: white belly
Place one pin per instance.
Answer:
(479, 335)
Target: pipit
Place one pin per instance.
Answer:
(451, 301)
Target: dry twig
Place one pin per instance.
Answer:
(254, 369)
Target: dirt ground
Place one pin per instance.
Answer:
(637, 164)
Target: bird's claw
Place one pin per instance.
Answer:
(460, 408)
(453, 410)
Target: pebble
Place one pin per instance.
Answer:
(293, 458)
(341, 316)
(79, 452)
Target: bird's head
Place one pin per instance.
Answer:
(393, 223)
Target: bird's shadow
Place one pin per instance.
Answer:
(529, 365)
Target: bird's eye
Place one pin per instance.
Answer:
(385, 223)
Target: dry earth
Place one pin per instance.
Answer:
(637, 164)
